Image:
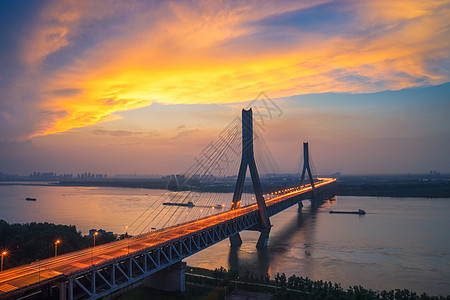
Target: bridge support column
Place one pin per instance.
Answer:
(62, 286)
(70, 289)
(169, 279)
(46, 291)
(263, 238)
(235, 240)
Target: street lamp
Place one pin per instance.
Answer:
(56, 247)
(3, 254)
(95, 234)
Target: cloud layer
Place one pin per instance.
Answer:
(79, 62)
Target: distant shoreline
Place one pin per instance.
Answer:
(376, 186)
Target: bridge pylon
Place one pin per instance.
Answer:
(307, 167)
(248, 159)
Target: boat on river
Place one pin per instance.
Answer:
(358, 212)
(189, 204)
(30, 199)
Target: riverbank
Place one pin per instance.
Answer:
(406, 185)
(228, 284)
(394, 186)
(416, 186)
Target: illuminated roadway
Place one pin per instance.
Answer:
(50, 270)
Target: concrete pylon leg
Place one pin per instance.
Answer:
(263, 238)
(168, 279)
(314, 204)
(235, 240)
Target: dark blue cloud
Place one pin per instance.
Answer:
(324, 17)
(284, 30)
(15, 19)
(90, 33)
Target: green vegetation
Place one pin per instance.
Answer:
(293, 287)
(25, 243)
(193, 292)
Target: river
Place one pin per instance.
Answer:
(399, 243)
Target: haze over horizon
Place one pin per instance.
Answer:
(142, 87)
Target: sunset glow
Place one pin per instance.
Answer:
(184, 52)
(78, 64)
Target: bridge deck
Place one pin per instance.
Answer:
(63, 266)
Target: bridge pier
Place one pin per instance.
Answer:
(315, 203)
(263, 238)
(235, 240)
(169, 279)
(62, 287)
(46, 291)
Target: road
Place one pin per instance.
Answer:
(51, 269)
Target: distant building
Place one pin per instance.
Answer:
(45, 176)
(91, 176)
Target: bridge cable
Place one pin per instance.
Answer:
(199, 165)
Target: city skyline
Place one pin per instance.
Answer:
(120, 89)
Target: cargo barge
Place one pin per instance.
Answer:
(359, 212)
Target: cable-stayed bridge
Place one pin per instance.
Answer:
(191, 216)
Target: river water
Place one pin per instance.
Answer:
(399, 243)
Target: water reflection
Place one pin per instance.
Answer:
(259, 260)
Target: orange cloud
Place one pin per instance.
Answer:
(214, 52)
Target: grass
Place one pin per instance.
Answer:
(192, 293)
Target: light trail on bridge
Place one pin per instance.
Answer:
(51, 269)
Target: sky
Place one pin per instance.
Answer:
(141, 87)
